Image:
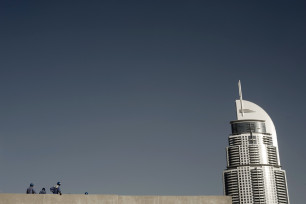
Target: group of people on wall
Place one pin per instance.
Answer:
(54, 189)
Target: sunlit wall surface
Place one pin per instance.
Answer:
(254, 174)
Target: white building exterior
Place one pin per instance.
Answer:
(254, 174)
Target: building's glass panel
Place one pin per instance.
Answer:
(281, 187)
(267, 140)
(258, 186)
(272, 156)
(247, 127)
(231, 185)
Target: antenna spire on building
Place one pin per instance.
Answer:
(240, 96)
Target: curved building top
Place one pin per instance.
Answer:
(247, 110)
(251, 111)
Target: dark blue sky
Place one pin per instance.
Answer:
(135, 97)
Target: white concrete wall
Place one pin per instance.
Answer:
(110, 199)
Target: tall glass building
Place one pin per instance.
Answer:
(253, 174)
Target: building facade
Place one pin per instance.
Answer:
(253, 174)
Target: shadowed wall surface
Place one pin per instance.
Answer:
(111, 199)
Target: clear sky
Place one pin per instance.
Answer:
(135, 97)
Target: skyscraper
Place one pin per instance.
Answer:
(253, 174)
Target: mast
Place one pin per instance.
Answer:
(240, 96)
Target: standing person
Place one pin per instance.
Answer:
(31, 190)
(43, 191)
(56, 189)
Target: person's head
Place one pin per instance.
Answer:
(43, 189)
(59, 183)
(31, 184)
